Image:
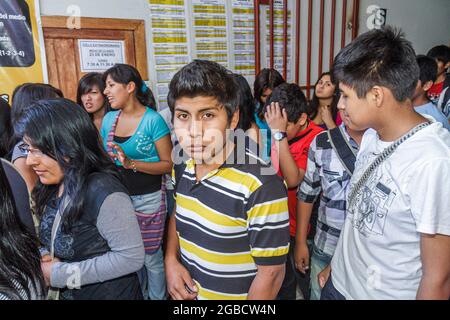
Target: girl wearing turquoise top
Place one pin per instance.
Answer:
(138, 140)
(265, 82)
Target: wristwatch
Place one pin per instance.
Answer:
(278, 136)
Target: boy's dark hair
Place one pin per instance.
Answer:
(441, 53)
(290, 97)
(379, 57)
(207, 79)
(428, 69)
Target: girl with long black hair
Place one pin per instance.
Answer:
(21, 277)
(323, 106)
(138, 139)
(86, 216)
(22, 98)
(265, 82)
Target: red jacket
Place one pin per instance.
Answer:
(299, 147)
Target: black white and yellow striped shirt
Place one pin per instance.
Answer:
(232, 220)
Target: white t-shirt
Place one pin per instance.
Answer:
(378, 253)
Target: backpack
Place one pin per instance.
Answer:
(341, 146)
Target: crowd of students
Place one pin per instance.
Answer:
(229, 194)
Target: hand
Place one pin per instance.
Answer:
(327, 116)
(276, 118)
(323, 276)
(301, 256)
(179, 282)
(46, 258)
(119, 155)
(46, 267)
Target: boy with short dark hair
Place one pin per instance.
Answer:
(229, 234)
(292, 131)
(441, 54)
(421, 102)
(395, 243)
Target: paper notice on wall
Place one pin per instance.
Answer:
(100, 55)
(216, 30)
(170, 42)
(210, 30)
(279, 38)
(244, 38)
(163, 90)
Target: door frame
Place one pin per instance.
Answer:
(136, 26)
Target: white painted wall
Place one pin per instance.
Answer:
(119, 9)
(425, 23)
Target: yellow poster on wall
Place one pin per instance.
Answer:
(22, 53)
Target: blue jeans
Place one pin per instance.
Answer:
(152, 276)
(329, 292)
(319, 261)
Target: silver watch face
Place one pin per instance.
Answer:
(278, 136)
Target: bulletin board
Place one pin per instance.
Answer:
(216, 30)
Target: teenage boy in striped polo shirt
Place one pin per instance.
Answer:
(229, 236)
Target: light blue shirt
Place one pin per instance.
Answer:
(266, 143)
(431, 110)
(141, 145)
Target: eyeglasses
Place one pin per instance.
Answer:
(26, 149)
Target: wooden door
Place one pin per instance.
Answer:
(63, 57)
